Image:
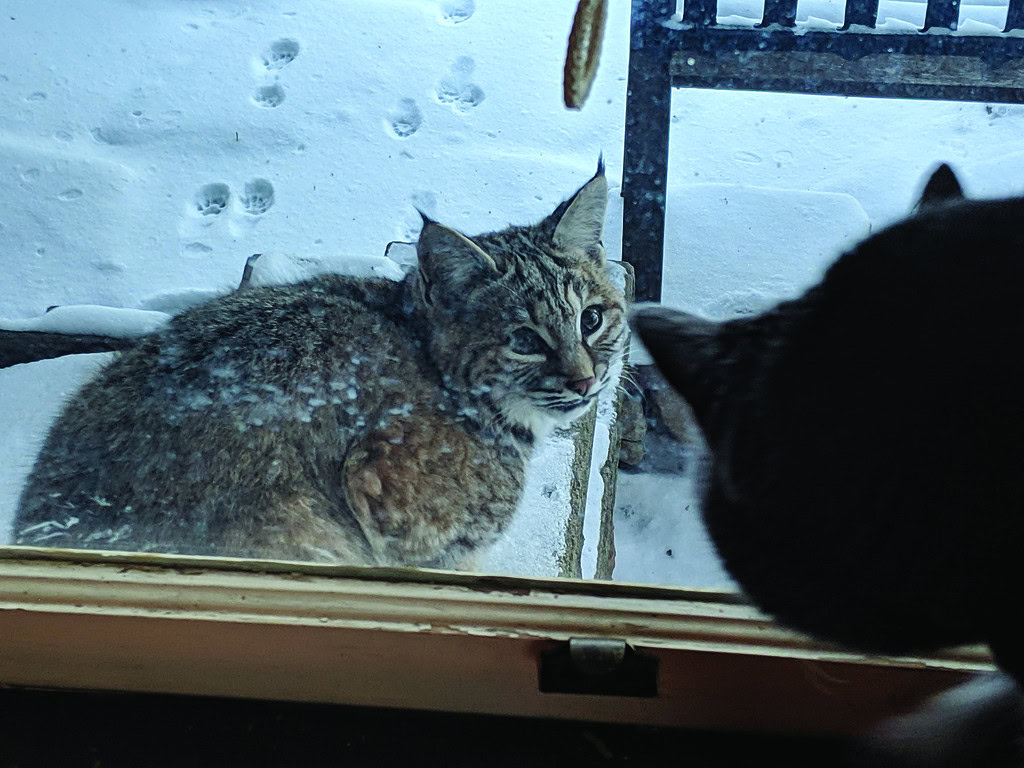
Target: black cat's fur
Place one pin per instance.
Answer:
(866, 440)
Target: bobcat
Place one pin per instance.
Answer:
(867, 446)
(340, 419)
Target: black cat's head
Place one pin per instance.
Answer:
(865, 444)
(711, 364)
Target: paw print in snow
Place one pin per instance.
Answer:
(258, 197)
(457, 11)
(456, 89)
(212, 199)
(280, 53)
(269, 96)
(405, 119)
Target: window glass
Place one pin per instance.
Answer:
(384, 417)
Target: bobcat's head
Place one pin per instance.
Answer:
(525, 320)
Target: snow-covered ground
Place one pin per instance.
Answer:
(146, 150)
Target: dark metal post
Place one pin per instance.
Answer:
(781, 12)
(861, 13)
(645, 155)
(1014, 16)
(942, 13)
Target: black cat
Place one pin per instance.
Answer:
(866, 476)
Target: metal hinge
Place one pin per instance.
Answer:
(598, 666)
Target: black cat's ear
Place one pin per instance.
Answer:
(686, 349)
(942, 187)
(450, 263)
(578, 223)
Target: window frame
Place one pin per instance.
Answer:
(432, 640)
(443, 640)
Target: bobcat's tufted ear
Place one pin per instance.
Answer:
(579, 221)
(450, 263)
(942, 187)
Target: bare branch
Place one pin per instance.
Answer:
(28, 346)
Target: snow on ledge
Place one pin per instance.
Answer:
(92, 320)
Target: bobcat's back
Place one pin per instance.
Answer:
(227, 432)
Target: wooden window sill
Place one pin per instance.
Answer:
(428, 640)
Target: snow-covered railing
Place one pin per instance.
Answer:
(861, 57)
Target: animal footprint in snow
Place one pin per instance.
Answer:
(782, 157)
(268, 96)
(196, 248)
(258, 197)
(461, 96)
(212, 199)
(280, 53)
(742, 156)
(405, 119)
(457, 90)
(457, 11)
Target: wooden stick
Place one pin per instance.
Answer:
(584, 51)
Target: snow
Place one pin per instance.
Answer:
(90, 319)
(534, 541)
(280, 268)
(595, 488)
(659, 537)
(30, 398)
(147, 150)
(730, 235)
(186, 137)
(173, 302)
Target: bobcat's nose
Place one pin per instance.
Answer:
(582, 386)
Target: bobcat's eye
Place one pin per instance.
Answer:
(525, 341)
(591, 319)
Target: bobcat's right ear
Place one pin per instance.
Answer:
(450, 263)
(942, 187)
(578, 223)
